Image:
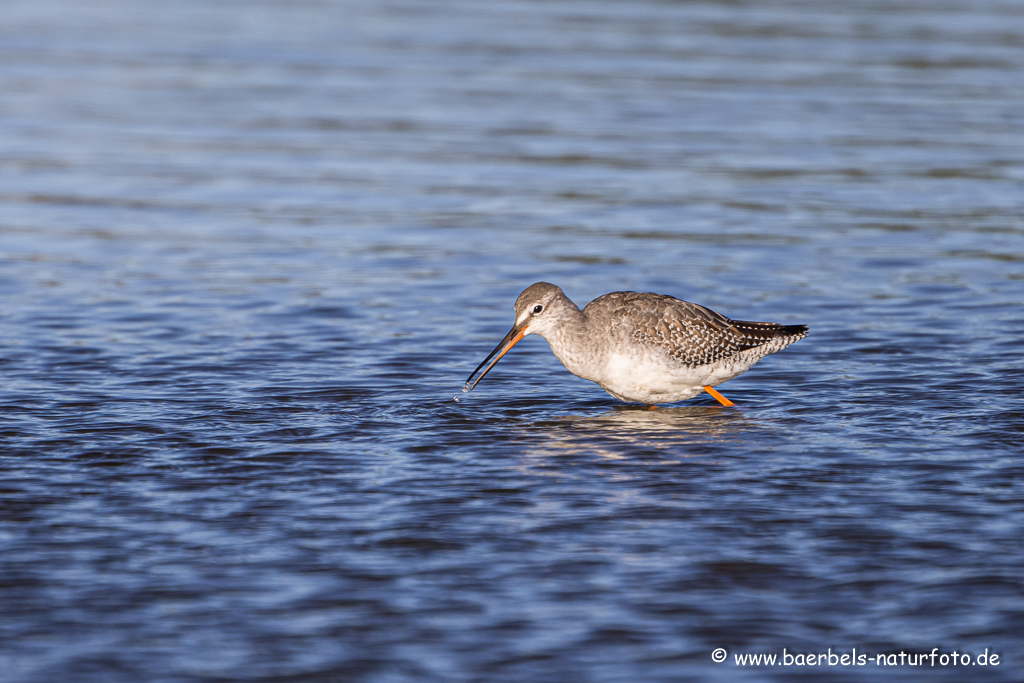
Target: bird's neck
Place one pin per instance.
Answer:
(570, 342)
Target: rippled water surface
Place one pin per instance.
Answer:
(250, 251)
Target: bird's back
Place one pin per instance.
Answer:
(691, 334)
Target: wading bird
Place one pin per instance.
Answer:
(643, 347)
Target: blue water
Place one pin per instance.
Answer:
(250, 251)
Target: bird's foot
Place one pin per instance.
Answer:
(718, 397)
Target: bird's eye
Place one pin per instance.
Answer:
(537, 309)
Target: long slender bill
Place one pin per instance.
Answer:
(510, 340)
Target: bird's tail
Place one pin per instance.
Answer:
(768, 331)
(776, 336)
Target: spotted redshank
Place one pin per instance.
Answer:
(643, 347)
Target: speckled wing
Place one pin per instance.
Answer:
(690, 333)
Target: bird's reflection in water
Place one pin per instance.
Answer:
(666, 434)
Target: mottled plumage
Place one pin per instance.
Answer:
(640, 346)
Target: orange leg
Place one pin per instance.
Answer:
(718, 397)
(651, 406)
